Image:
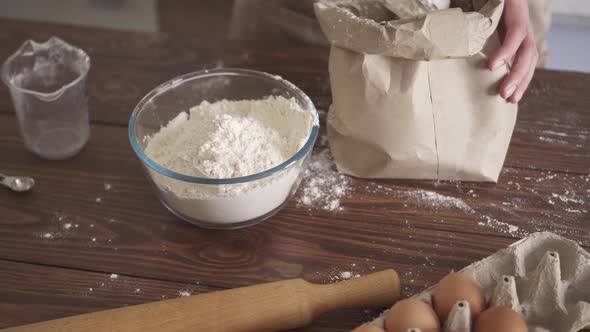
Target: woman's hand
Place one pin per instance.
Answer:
(517, 42)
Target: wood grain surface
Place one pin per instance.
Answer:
(383, 224)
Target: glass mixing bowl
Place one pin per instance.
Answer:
(219, 203)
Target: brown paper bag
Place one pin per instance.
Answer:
(413, 98)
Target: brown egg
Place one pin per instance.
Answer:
(500, 319)
(368, 328)
(408, 314)
(457, 287)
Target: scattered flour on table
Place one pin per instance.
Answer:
(344, 275)
(562, 208)
(567, 199)
(574, 210)
(555, 133)
(437, 200)
(59, 226)
(553, 140)
(323, 186)
(185, 293)
(498, 225)
(421, 197)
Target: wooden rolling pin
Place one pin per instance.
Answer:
(274, 306)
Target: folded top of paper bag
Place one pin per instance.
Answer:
(370, 27)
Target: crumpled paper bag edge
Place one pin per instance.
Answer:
(410, 38)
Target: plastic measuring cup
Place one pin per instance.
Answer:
(47, 82)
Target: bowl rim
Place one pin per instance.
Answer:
(300, 154)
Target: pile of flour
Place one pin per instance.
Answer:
(229, 139)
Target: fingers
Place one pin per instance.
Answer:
(512, 41)
(515, 84)
(524, 84)
(518, 44)
(514, 28)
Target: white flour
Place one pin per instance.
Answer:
(323, 185)
(229, 139)
(436, 200)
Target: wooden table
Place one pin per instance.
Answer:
(128, 249)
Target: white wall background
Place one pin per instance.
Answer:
(571, 7)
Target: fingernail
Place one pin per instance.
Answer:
(509, 90)
(497, 64)
(518, 95)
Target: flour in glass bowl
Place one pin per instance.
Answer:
(229, 139)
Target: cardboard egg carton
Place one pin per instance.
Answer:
(544, 277)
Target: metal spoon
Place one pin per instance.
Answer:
(17, 183)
